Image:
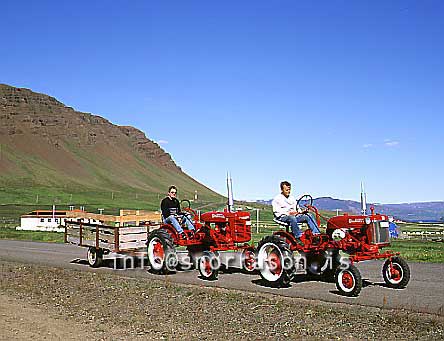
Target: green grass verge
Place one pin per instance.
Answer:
(36, 236)
(420, 251)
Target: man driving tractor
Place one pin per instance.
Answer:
(285, 210)
(171, 213)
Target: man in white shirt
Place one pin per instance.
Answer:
(285, 210)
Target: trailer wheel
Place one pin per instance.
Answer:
(209, 265)
(248, 258)
(275, 261)
(348, 281)
(161, 253)
(397, 275)
(95, 257)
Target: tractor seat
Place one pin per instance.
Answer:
(281, 223)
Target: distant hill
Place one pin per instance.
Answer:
(423, 211)
(51, 153)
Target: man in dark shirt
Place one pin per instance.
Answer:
(170, 207)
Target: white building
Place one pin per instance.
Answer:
(53, 221)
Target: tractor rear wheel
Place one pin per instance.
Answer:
(209, 265)
(161, 252)
(348, 281)
(397, 275)
(95, 257)
(275, 261)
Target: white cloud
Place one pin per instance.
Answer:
(162, 142)
(390, 143)
(367, 145)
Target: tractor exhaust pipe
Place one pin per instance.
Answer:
(230, 203)
(363, 200)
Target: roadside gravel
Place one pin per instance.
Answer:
(65, 303)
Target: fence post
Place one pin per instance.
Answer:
(257, 220)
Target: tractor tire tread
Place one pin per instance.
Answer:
(280, 242)
(168, 244)
(406, 273)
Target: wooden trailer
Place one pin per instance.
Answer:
(114, 235)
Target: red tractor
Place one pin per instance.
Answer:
(359, 237)
(215, 231)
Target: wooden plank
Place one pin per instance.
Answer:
(131, 245)
(72, 240)
(148, 216)
(103, 245)
(133, 237)
(102, 229)
(90, 232)
(129, 230)
(135, 212)
(106, 238)
(155, 216)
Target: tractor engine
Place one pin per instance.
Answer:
(368, 229)
(232, 226)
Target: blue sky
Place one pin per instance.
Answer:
(324, 94)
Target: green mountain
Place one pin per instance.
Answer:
(50, 153)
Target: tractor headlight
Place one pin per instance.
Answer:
(368, 220)
(338, 235)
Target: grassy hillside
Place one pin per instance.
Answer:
(52, 154)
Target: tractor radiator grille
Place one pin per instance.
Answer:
(380, 233)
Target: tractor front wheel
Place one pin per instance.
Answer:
(161, 253)
(275, 261)
(348, 281)
(209, 265)
(249, 260)
(396, 273)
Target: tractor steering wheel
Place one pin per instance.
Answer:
(188, 210)
(305, 197)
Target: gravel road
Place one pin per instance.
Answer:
(424, 294)
(48, 292)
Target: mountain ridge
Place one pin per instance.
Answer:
(48, 146)
(420, 211)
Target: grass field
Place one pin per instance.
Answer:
(420, 251)
(36, 236)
